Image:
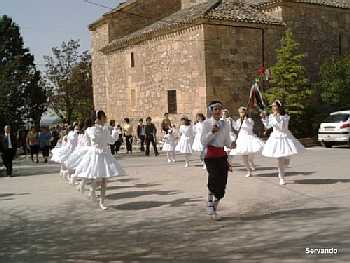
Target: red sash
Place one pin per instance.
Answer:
(215, 152)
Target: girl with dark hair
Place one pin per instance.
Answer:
(281, 144)
(186, 139)
(247, 143)
(169, 145)
(197, 144)
(97, 163)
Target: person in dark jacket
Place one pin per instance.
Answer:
(141, 134)
(8, 147)
(150, 133)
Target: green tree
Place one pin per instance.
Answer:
(21, 95)
(70, 75)
(334, 84)
(290, 85)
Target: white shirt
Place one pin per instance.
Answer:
(279, 124)
(9, 143)
(219, 139)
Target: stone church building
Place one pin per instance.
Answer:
(155, 56)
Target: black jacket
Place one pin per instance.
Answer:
(150, 131)
(4, 142)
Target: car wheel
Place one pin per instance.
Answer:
(328, 144)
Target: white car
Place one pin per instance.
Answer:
(335, 129)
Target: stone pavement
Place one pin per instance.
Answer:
(158, 214)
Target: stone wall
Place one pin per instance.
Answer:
(140, 14)
(189, 3)
(233, 57)
(172, 62)
(99, 40)
(323, 32)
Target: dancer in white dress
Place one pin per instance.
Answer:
(82, 147)
(197, 144)
(281, 143)
(97, 163)
(186, 140)
(247, 143)
(169, 145)
(63, 153)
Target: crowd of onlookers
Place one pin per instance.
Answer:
(33, 142)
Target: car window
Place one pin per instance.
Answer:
(342, 117)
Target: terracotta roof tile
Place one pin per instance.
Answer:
(219, 10)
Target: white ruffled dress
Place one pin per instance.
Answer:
(197, 144)
(186, 139)
(247, 142)
(281, 142)
(96, 160)
(82, 147)
(61, 154)
(169, 143)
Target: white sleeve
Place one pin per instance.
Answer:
(228, 140)
(207, 134)
(267, 122)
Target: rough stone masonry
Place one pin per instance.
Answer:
(156, 56)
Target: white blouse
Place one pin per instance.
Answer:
(279, 124)
(219, 139)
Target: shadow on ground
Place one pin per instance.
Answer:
(79, 235)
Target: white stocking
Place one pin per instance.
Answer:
(246, 162)
(281, 167)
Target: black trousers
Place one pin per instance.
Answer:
(34, 150)
(142, 143)
(217, 175)
(128, 142)
(112, 146)
(45, 151)
(7, 158)
(150, 140)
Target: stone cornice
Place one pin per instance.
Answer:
(342, 4)
(106, 16)
(122, 44)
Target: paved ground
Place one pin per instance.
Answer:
(158, 214)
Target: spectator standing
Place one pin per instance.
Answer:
(8, 147)
(128, 134)
(166, 123)
(44, 142)
(150, 132)
(33, 144)
(141, 134)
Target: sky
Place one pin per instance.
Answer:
(47, 23)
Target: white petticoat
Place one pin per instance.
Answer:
(197, 145)
(282, 146)
(96, 163)
(168, 147)
(75, 157)
(61, 154)
(184, 145)
(247, 144)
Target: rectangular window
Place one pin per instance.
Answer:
(172, 103)
(133, 98)
(132, 59)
